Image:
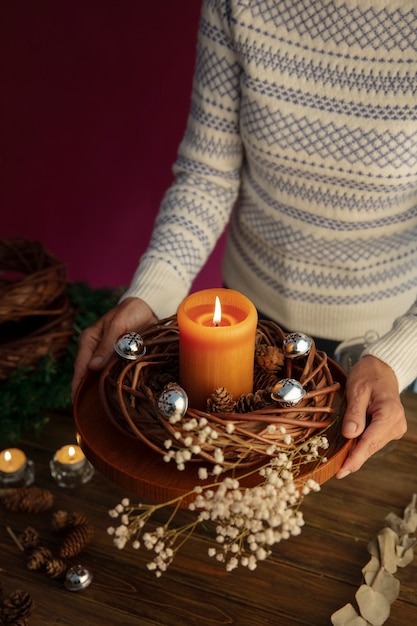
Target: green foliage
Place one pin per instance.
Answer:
(31, 393)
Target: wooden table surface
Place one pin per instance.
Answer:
(305, 580)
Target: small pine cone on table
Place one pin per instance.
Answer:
(27, 499)
(55, 568)
(62, 520)
(29, 538)
(76, 540)
(17, 608)
(221, 401)
(38, 558)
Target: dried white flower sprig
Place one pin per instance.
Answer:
(247, 521)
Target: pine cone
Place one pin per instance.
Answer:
(62, 520)
(27, 499)
(55, 568)
(220, 401)
(17, 607)
(253, 401)
(38, 558)
(264, 380)
(29, 538)
(76, 540)
(269, 358)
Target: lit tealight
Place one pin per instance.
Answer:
(69, 466)
(15, 469)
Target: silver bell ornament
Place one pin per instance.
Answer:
(77, 578)
(130, 346)
(173, 402)
(296, 345)
(288, 392)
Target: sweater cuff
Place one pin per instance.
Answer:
(158, 285)
(398, 349)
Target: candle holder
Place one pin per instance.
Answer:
(130, 393)
(16, 470)
(70, 468)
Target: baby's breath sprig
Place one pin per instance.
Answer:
(247, 521)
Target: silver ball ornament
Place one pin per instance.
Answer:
(130, 346)
(77, 578)
(296, 345)
(288, 392)
(173, 402)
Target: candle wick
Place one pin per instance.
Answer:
(15, 539)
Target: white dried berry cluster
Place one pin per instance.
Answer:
(247, 521)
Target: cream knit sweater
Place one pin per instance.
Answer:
(303, 134)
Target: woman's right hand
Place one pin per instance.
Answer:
(96, 343)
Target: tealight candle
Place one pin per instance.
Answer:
(16, 470)
(69, 466)
(216, 350)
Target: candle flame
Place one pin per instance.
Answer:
(217, 317)
(7, 455)
(71, 451)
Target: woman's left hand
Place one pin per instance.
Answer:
(372, 397)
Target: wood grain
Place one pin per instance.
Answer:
(306, 579)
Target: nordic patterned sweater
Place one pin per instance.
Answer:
(303, 134)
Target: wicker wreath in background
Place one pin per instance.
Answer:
(130, 393)
(36, 317)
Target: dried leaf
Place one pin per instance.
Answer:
(410, 514)
(383, 582)
(347, 616)
(371, 569)
(373, 606)
(397, 524)
(406, 557)
(373, 548)
(388, 541)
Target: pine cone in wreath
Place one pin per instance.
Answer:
(220, 401)
(253, 401)
(76, 540)
(27, 499)
(17, 608)
(269, 358)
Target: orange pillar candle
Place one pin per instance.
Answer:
(216, 353)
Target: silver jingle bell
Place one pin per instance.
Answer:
(173, 402)
(130, 346)
(296, 345)
(77, 578)
(288, 392)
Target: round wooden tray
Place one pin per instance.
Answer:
(135, 467)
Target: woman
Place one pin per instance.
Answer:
(301, 136)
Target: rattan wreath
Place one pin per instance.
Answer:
(30, 279)
(24, 342)
(129, 392)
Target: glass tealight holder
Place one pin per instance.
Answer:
(16, 470)
(70, 468)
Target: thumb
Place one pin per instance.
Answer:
(354, 420)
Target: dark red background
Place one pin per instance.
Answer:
(94, 100)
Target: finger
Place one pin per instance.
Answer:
(87, 344)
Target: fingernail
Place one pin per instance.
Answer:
(350, 428)
(343, 474)
(96, 362)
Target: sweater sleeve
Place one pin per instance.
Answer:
(196, 208)
(398, 348)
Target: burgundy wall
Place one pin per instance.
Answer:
(94, 100)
